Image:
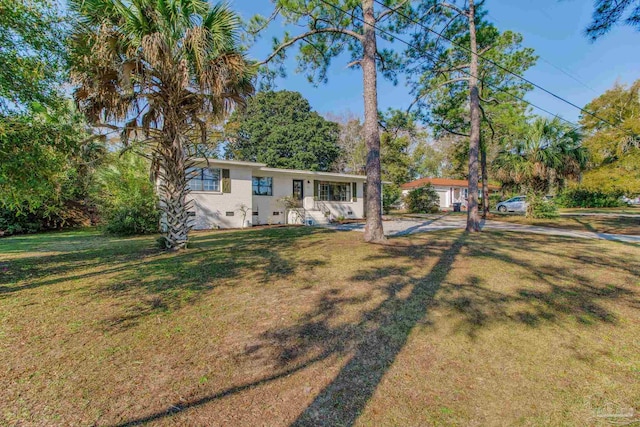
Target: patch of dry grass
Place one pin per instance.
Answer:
(628, 210)
(596, 224)
(300, 326)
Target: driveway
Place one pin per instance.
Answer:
(404, 226)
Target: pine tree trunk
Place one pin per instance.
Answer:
(173, 192)
(485, 180)
(373, 231)
(473, 220)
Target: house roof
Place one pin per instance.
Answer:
(231, 162)
(440, 182)
(314, 173)
(262, 167)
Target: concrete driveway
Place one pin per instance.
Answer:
(409, 225)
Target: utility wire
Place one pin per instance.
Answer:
(576, 126)
(397, 11)
(573, 76)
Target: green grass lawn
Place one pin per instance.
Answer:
(306, 326)
(597, 224)
(634, 210)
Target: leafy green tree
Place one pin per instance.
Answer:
(126, 197)
(46, 168)
(548, 155)
(353, 151)
(398, 130)
(158, 70)
(281, 130)
(608, 13)
(32, 33)
(614, 145)
(428, 159)
(38, 151)
(353, 27)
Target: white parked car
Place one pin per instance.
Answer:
(514, 204)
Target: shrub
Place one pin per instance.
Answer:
(127, 198)
(423, 200)
(540, 207)
(583, 198)
(390, 195)
(56, 216)
(141, 218)
(12, 222)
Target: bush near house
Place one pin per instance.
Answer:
(583, 198)
(390, 195)
(540, 207)
(423, 200)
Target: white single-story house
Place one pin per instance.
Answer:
(236, 194)
(449, 190)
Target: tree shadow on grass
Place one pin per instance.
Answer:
(399, 300)
(374, 340)
(558, 296)
(147, 281)
(553, 294)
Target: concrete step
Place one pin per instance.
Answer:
(317, 218)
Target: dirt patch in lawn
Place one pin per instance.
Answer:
(303, 326)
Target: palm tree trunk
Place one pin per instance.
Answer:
(173, 192)
(473, 220)
(373, 231)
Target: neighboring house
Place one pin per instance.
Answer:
(235, 194)
(450, 190)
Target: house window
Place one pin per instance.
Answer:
(262, 186)
(334, 191)
(203, 179)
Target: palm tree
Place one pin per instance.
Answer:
(548, 154)
(159, 71)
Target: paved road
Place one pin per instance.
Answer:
(405, 226)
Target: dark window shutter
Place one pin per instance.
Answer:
(354, 191)
(316, 185)
(226, 181)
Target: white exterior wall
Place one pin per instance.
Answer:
(267, 206)
(211, 207)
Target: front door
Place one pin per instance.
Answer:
(298, 189)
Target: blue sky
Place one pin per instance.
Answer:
(553, 28)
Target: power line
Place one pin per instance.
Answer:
(572, 76)
(397, 11)
(463, 71)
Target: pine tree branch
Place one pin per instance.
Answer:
(299, 37)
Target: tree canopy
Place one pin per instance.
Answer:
(159, 70)
(280, 129)
(614, 144)
(547, 155)
(32, 53)
(608, 13)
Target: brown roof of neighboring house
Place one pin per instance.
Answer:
(440, 182)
